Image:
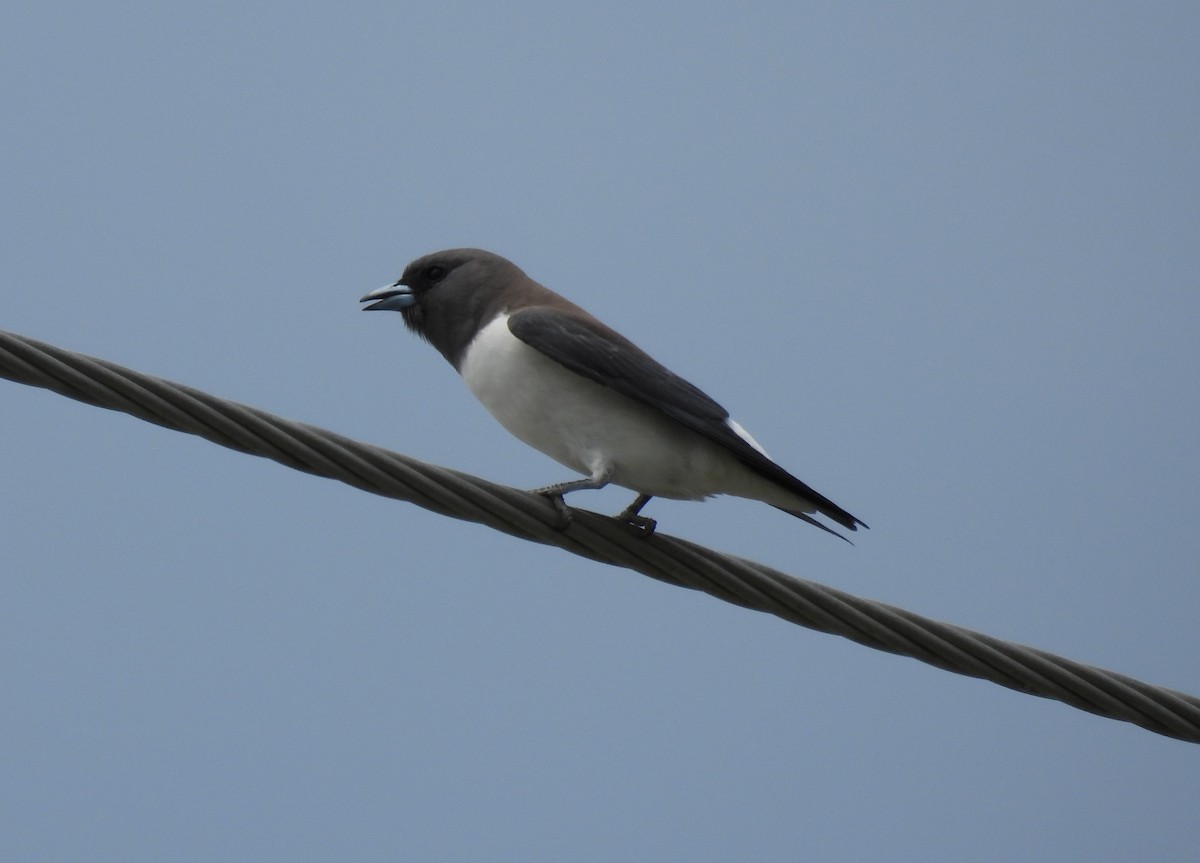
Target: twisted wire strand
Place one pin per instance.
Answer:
(530, 516)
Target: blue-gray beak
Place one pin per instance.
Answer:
(389, 298)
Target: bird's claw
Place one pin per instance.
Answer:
(644, 525)
(564, 511)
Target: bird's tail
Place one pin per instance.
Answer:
(803, 516)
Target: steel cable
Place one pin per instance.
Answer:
(530, 516)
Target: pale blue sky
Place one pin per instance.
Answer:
(940, 259)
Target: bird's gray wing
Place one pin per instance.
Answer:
(592, 350)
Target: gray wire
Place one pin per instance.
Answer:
(530, 516)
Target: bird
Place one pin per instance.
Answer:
(586, 396)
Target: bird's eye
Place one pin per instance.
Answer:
(435, 273)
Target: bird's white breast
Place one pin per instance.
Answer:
(589, 427)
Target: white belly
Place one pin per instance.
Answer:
(589, 427)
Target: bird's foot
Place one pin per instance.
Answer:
(555, 497)
(629, 515)
(643, 524)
